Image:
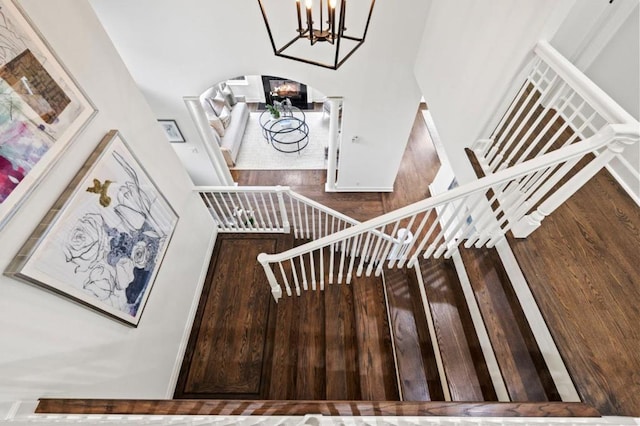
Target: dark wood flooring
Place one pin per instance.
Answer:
(244, 346)
(523, 368)
(229, 351)
(582, 266)
(302, 408)
(463, 362)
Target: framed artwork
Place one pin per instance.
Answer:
(103, 241)
(171, 130)
(41, 109)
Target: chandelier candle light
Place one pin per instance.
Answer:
(325, 30)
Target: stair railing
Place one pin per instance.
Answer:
(479, 213)
(273, 209)
(555, 107)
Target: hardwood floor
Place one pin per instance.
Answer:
(229, 352)
(302, 408)
(582, 266)
(525, 373)
(464, 365)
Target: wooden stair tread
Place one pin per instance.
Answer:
(341, 349)
(333, 344)
(417, 368)
(466, 372)
(375, 355)
(311, 374)
(523, 368)
(327, 408)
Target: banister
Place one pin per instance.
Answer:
(240, 188)
(609, 109)
(606, 135)
(319, 206)
(284, 189)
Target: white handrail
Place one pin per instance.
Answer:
(557, 106)
(528, 178)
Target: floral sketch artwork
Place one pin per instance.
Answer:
(105, 246)
(41, 109)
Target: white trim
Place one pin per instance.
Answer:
(444, 382)
(634, 196)
(435, 138)
(481, 331)
(204, 130)
(173, 380)
(541, 333)
(242, 82)
(360, 189)
(392, 335)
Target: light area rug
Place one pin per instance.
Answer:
(257, 154)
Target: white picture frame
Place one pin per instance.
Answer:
(42, 109)
(103, 241)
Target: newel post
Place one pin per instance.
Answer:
(283, 210)
(533, 220)
(276, 290)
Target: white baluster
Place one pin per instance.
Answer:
(303, 273)
(296, 225)
(321, 269)
(374, 255)
(296, 282)
(266, 210)
(263, 224)
(300, 222)
(343, 254)
(364, 254)
(352, 260)
(285, 280)
(283, 210)
(312, 271)
(306, 222)
(274, 211)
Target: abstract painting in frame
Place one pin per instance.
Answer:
(103, 241)
(41, 108)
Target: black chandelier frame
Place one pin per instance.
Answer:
(332, 34)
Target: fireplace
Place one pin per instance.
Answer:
(278, 89)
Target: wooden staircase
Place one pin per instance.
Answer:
(334, 344)
(370, 340)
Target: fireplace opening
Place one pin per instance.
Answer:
(279, 89)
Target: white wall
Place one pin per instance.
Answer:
(470, 51)
(602, 39)
(175, 48)
(253, 91)
(616, 70)
(49, 345)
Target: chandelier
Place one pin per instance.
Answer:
(322, 37)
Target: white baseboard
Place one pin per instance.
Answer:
(481, 331)
(538, 325)
(634, 196)
(173, 381)
(361, 189)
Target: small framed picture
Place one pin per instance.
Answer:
(171, 130)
